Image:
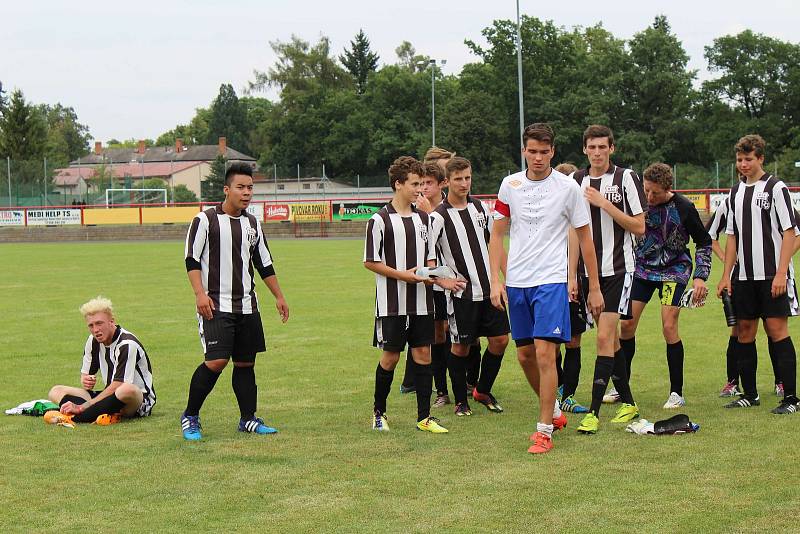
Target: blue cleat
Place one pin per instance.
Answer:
(191, 427)
(256, 426)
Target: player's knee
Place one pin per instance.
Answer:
(55, 394)
(127, 392)
(605, 341)
(217, 365)
(627, 329)
(497, 345)
(670, 330)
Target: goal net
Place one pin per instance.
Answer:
(116, 197)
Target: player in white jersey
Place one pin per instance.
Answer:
(539, 205)
(123, 365)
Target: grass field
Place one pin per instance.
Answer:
(326, 471)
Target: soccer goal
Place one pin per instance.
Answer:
(116, 197)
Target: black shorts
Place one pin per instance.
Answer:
(472, 320)
(392, 333)
(669, 293)
(580, 318)
(238, 336)
(752, 299)
(439, 306)
(616, 292)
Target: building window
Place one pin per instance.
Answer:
(320, 186)
(281, 187)
(306, 186)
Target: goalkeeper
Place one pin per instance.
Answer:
(663, 263)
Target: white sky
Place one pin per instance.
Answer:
(137, 70)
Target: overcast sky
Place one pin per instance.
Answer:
(136, 69)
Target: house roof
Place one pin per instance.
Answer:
(167, 154)
(71, 175)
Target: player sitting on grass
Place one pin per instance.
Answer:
(123, 364)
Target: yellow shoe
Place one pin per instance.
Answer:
(626, 413)
(54, 417)
(431, 424)
(589, 425)
(105, 419)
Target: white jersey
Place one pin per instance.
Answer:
(541, 212)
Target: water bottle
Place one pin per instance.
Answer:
(727, 307)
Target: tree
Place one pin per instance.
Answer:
(360, 61)
(23, 130)
(181, 193)
(67, 139)
(408, 58)
(228, 119)
(211, 190)
(194, 133)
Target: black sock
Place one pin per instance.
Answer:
(572, 370)
(559, 367)
(747, 361)
(109, 405)
(408, 374)
(458, 376)
(383, 384)
(424, 381)
(71, 398)
(774, 359)
(490, 366)
(202, 383)
(629, 346)
(603, 367)
(787, 362)
(474, 364)
(731, 367)
(620, 377)
(243, 380)
(439, 362)
(675, 365)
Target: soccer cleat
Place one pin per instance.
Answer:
(488, 400)
(379, 421)
(787, 406)
(731, 389)
(612, 397)
(462, 409)
(674, 401)
(441, 400)
(190, 424)
(105, 419)
(431, 424)
(779, 390)
(743, 402)
(559, 422)
(54, 417)
(410, 389)
(589, 425)
(626, 413)
(571, 405)
(560, 392)
(255, 425)
(542, 443)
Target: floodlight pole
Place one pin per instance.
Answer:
(519, 88)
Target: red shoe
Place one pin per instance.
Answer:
(559, 422)
(542, 443)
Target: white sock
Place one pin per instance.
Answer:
(547, 430)
(556, 410)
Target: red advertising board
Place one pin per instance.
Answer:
(276, 212)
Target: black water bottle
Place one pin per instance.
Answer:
(727, 307)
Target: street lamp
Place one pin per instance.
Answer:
(432, 64)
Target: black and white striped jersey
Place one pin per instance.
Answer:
(759, 214)
(613, 244)
(461, 238)
(718, 223)
(225, 249)
(124, 360)
(402, 243)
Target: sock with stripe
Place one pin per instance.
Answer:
(620, 377)
(787, 362)
(458, 376)
(490, 367)
(603, 367)
(424, 381)
(775, 360)
(108, 405)
(243, 380)
(572, 370)
(439, 360)
(731, 366)
(629, 347)
(675, 365)
(383, 384)
(747, 361)
(203, 381)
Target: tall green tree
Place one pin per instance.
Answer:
(23, 130)
(360, 60)
(211, 190)
(67, 139)
(228, 118)
(408, 58)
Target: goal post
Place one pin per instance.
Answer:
(116, 197)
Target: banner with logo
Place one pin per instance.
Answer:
(276, 212)
(53, 217)
(698, 199)
(12, 218)
(310, 211)
(350, 211)
(256, 210)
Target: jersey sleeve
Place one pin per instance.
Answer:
(702, 241)
(634, 193)
(717, 224)
(262, 258)
(730, 226)
(437, 230)
(127, 356)
(502, 206)
(373, 245)
(783, 207)
(90, 364)
(577, 212)
(196, 241)
(431, 244)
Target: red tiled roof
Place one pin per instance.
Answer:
(71, 175)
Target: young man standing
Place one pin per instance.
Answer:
(616, 202)
(761, 229)
(223, 245)
(540, 205)
(397, 244)
(461, 229)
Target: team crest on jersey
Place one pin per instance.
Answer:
(515, 183)
(480, 218)
(762, 200)
(252, 236)
(612, 194)
(423, 232)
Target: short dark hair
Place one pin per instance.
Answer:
(457, 163)
(402, 167)
(238, 167)
(538, 131)
(659, 173)
(433, 169)
(751, 143)
(598, 130)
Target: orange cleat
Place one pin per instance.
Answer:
(105, 419)
(54, 417)
(542, 443)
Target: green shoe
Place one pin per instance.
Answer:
(589, 424)
(626, 413)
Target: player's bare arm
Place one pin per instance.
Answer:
(205, 306)
(572, 265)
(730, 261)
(280, 302)
(409, 275)
(497, 262)
(632, 223)
(787, 248)
(71, 408)
(595, 296)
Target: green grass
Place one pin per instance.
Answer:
(326, 471)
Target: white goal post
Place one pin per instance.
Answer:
(115, 196)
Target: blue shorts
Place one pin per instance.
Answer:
(540, 312)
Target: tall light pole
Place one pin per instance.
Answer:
(432, 64)
(519, 88)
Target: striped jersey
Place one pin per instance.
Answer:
(400, 242)
(461, 238)
(758, 215)
(718, 223)
(613, 244)
(124, 360)
(225, 249)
